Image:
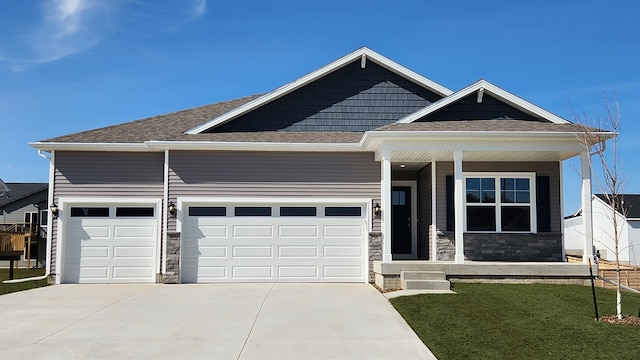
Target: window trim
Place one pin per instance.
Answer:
(498, 204)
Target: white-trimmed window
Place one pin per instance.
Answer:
(500, 202)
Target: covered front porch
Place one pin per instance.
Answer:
(500, 193)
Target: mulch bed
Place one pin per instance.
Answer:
(626, 320)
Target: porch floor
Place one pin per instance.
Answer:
(387, 275)
(485, 268)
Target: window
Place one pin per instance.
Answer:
(89, 212)
(342, 211)
(252, 211)
(297, 211)
(207, 211)
(44, 217)
(134, 212)
(499, 203)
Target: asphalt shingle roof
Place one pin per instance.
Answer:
(20, 191)
(158, 127)
(482, 125)
(630, 203)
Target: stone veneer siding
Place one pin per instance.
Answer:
(375, 252)
(513, 247)
(172, 272)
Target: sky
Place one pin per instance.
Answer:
(74, 65)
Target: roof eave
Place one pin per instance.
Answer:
(252, 146)
(86, 146)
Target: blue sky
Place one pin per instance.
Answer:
(73, 65)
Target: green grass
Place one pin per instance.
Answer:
(528, 321)
(21, 274)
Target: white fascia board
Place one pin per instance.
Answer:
(491, 89)
(470, 141)
(314, 75)
(66, 146)
(253, 146)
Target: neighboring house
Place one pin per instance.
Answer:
(357, 165)
(26, 203)
(628, 218)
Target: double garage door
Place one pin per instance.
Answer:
(284, 242)
(302, 242)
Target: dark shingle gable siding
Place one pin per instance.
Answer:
(468, 108)
(349, 99)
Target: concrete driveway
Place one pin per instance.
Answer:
(212, 321)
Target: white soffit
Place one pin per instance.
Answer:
(485, 86)
(363, 54)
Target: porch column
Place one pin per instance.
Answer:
(458, 207)
(587, 220)
(385, 199)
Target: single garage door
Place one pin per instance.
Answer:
(297, 243)
(110, 244)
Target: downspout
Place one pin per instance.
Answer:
(49, 233)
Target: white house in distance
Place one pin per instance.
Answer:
(603, 234)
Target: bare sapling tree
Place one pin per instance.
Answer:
(594, 133)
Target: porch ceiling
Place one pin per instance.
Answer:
(410, 156)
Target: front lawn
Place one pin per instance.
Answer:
(21, 274)
(527, 321)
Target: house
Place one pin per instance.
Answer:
(628, 219)
(349, 173)
(24, 209)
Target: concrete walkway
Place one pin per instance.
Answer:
(213, 321)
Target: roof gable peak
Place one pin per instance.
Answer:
(482, 86)
(362, 54)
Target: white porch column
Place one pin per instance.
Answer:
(459, 207)
(385, 199)
(434, 216)
(587, 219)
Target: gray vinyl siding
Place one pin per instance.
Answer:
(106, 174)
(349, 99)
(551, 169)
(273, 174)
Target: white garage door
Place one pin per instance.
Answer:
(110, 244)
(303, 243)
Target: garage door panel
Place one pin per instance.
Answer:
(90, 232)
(132, 272)
(132, 251)
(342, 272)
(298, 251)
(133, 231)
(95, 273)
(212, 252)
(252, 272)
(343, 231)
(343, 251)
(240, 252)
(252, 231)
(297, 231)
(210, 231)
(303, 273)
(94, 252)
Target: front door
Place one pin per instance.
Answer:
(403, 242)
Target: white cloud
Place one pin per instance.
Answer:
(199, 8)
(62, 28)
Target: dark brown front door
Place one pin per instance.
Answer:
(401, 220)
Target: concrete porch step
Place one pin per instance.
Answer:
(423, 275)
(424, 280)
